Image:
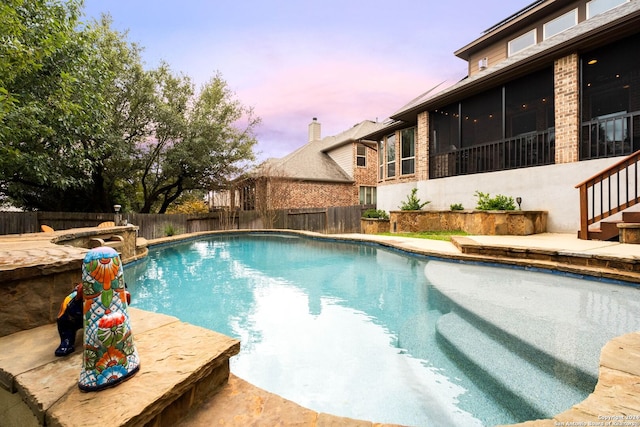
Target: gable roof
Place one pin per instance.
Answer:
(356, 133)
(312, 162)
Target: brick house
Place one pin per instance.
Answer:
(333, 171)
(551, 98)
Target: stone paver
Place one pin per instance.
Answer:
(181, 365)
(241, 404)
(172, 359)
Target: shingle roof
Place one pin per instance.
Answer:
(311, 162)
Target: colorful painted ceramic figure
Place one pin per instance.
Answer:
(110, 355)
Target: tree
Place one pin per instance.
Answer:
(84, 126)
(32, 32)
(38, 50)
(74, 112)
(201, 140)
(191, 202)
(273, 189)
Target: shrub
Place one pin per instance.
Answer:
(456, 207)
(375, 213)
(413, 203)
(169, 230)
(497, 203)
(189, 207)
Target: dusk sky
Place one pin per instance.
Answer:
(291, 60)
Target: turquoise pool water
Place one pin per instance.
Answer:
(370, 333)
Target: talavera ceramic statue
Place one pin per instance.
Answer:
(110, 355)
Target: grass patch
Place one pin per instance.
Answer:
(433, 235)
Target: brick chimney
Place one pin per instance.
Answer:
(314, 130)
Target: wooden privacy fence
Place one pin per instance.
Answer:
(340, 219)
(152, 226)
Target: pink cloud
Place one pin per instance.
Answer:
(338, 92)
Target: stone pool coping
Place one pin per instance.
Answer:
(617, 393)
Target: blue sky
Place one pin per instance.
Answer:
(292, 60)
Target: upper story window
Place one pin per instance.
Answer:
(561, 23)
(596, 7)
(522, 42)
(361, 155)
(391, 155)
(407, 151)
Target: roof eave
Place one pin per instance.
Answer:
(381, 133)
(512, 24)
(613, 30)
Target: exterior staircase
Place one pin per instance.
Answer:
(610, 230)
(181, 366)
(610, 192)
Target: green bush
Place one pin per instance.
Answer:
(169, 230)
(375, 213)
(497, 203)
(413, 203)
(456, 207)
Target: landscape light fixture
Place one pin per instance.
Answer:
(117, 218)
(519, 201)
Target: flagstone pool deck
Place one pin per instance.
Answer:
(615, 400)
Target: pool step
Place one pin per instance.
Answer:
(537, 392)
(181, 365)
(564, 321)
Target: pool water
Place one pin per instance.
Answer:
(365, 332)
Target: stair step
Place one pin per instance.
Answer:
(180, 366)
(597, 234)
(608, 230)
(628, 216)
(561, 328)
(543, 393)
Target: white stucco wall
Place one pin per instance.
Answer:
(550, 188)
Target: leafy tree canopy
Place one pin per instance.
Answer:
(84, 126)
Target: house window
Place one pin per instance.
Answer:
(408, 152)
(367, 195)
(391, 155)
(361, 155)
(560, 24)
(522, 42)
(249, 197)
(381, 160)
(596, 7)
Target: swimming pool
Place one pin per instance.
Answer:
(370, 333)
